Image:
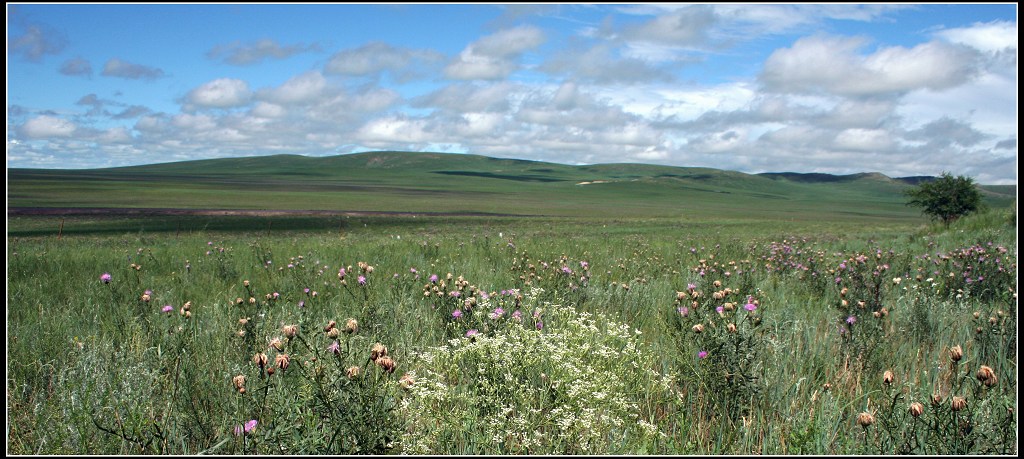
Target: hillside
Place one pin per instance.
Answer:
(458, 183)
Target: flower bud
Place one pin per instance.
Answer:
(276, 343)
(352, 372)
(330, 326)
(987, 376)
(290, 331)
(888, 377)
(916, 409)
(351, 326)
(698, 328)
(731, 328)
(865, 419)
(238, 381)
(936, 399)
(377, 351)
(386, 363)
(260, 360)
(333, 333)
(956, 353)
(958, 403)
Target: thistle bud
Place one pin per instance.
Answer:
(276, 343)
(958, 403)
(245, 283)
(731, 328)
(352, 372)
(406, 381)
(698, 328)
(377, 351)
(238, 381)
(977, 314)
(956, 353)
(386, 363)
(936, 399)
(333, 333)
(888, 377)
(351, 326)
(987, 376)
(330, 326)
(916, 409)
(865, 419)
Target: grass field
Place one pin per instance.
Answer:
(574, 335)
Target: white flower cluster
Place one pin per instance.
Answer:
(565, 391)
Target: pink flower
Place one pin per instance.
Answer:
(105, 278)
(167, 308)
(361, 280)
(702, 354)
(249, 425)
(472, 332)
(750, 307)
(457, 313)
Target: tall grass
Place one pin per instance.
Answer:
(568, 338)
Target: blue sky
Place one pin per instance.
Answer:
(900, 89)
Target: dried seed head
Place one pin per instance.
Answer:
(843, 291)
(731, 328)
(826, 386)
(352, 372)
(936, 399)
(243, 321)
(977, 314)
(865, 419)
(330, 326)
(680, 296)
(386, 363)
(888, 377)
(276, 343)
(958, 403)
(260, 360)
(956, 353)
(245, 283)
(406, 381)
(377, 351)
(698, 328)
(282, 361)
(987, 376)
(238, 381)
(290, 331)
(333, 333)
(916, 409)
(993, 320)
(351, 326)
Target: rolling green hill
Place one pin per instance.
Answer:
(458, 183)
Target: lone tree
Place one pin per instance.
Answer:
(946, 198)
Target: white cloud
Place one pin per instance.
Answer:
(238, 53)
(833, 65)
(306, 87)
(122, 69)
(686, 27)
(220, 93)
(990, 37)
(376, 57)
(45, 126)
(495, 56)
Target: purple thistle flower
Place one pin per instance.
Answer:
(683, 311)
(167, 308)
(457, 313)
(750, 307)
(851, 320)
(517, 315)
(334, 348)
(702, 354)
(691, 287)
(433, 278)
(105, 278)
(302, 303)
(472, 332)
(361, 280)
(720, 309)
(540, 325)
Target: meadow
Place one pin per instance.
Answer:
(733, 333)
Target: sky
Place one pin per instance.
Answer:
(901, 89)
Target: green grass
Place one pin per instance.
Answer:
(93, 369)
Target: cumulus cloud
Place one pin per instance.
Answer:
(37, 41)
(122, 69)
(374, 58)
(834, 65)
(45, 126)
(991, 37)
(469, 98)
(76, 67)
(238, 53)
(495, 56)
(302, 88)
(220, 93)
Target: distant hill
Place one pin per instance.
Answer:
(394, 181)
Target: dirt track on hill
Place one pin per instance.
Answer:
(122, 212)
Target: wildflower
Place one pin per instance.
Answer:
(851, 320)
(540, 325)
(958, 403)
(987, 376)
(936, 399)
(456, 313)
(916, 409)
(249, 425)
(352, 372)
(361, 280)
(105, 278)
(282, 361)
(245, 283)
(683, 311)
(333, 333)
(731, 328)
(167, 308)
(865, 419)
(750, 307)
(498, 312)
(146, 296)
(433, 278)
(702, 354)
(956, 353)
(238, 381)
(277, 344)
(472, 332)
(720, 310)
(334, 348)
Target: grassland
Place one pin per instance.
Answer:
(809, 322)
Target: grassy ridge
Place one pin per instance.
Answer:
(433, 182)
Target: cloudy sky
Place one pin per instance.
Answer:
(900, 89)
